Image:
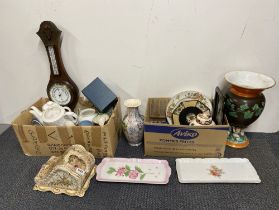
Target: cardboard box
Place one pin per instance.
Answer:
(162, 139)
(54, 140)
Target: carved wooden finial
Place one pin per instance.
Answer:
(49, 33)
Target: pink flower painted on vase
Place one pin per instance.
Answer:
(120, 172)
(133, 174)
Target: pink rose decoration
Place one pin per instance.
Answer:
(133, 174)
(120, 172)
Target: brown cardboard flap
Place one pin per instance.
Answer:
(116, 117)
(96, 136)
(23, 119)
(42, 135)
(32, 139)
(64, 134)
(106, 146)
(113, 134)
(40, 102)
(152, 115)
(157, 107)
(78, 135)
(20, 135)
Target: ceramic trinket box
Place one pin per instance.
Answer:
(69, 173)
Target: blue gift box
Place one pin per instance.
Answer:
(99, 95)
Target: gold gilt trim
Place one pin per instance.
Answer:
(238, 146)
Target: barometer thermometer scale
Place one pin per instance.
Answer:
(61, 89)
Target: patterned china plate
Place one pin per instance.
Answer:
(216, 170)
(148, 171)
(184, 104)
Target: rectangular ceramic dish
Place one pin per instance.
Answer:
(216, 170)
(148, 171)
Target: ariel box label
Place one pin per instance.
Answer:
(162, 139)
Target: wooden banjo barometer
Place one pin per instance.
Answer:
(61, 89)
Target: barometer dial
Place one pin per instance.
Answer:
(60, 94)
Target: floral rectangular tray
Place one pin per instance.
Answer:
(215, 170)
(148, 171)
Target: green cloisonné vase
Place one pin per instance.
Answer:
(244, 103)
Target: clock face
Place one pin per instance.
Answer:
(60, 94)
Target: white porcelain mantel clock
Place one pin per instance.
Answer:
(61, 89)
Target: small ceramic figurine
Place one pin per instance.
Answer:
(202, 119)
(54, 114)
(101, 119)
(133, 122)
(69, 173)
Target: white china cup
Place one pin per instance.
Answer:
(86, 115)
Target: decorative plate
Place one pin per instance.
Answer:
(216, 170)
(184, 104)
(148, 171)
